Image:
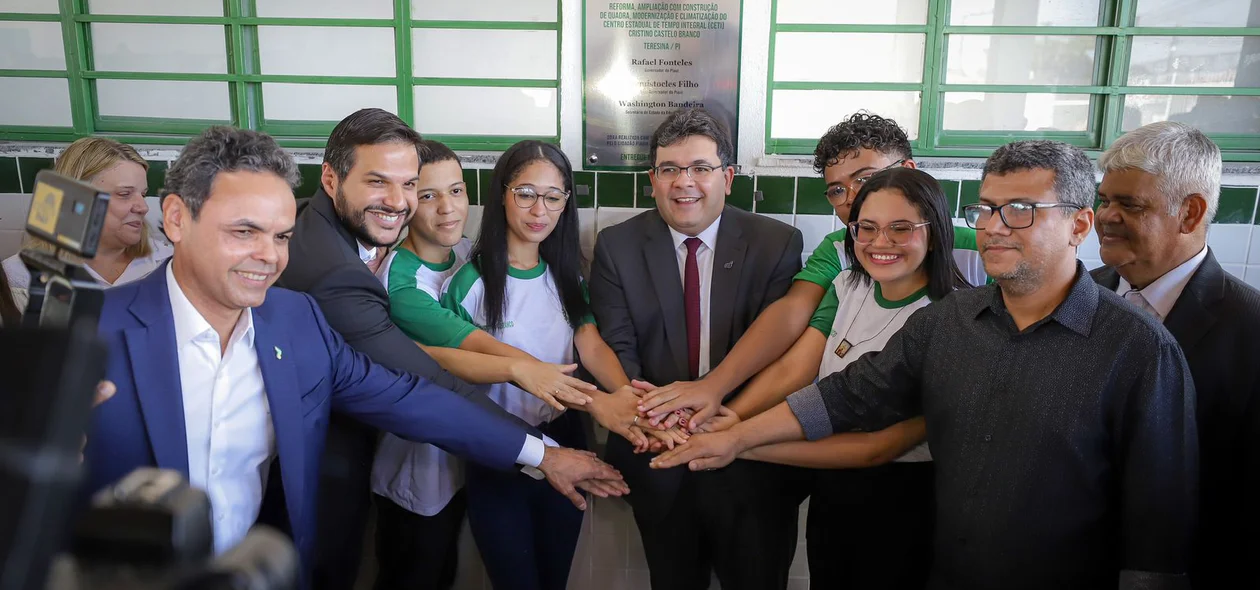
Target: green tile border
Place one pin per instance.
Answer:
(9, 180)
(643, 191)
(810, 197)
(29, 167)
(156, 176)
(741, 193)
(584, 180)
(778, 194)
(1237, 205)
(951, 189)
(969, 194)
(471, 185)
(310, 180)
(614, 189)
(483, 181)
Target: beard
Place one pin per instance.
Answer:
(356, 221)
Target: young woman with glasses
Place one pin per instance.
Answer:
(523, 285)
(871, 509)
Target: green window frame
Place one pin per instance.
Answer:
(244, 77)
(1115, 37)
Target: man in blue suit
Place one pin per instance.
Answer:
(230, 381)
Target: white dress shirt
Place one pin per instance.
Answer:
(20, 278)
(1161, 295)
(227, 419)
(704, 259)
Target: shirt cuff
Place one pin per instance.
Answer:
(807, 404)
(531, 455)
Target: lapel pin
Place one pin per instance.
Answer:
(730, 264)
(279, 353)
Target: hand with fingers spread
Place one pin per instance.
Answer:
(661, 402)
(567, 469)
(724, 420)
(703, 452)
(617, 411)
(551, 383)
(104, 391)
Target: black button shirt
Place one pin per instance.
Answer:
(1066, 453)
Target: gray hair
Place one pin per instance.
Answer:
(688, 122)
(224, 149)
(1183, 160)
(1073, 172)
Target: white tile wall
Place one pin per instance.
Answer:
(1230, 242)
(1253, 275)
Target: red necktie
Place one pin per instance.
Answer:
(691, 300)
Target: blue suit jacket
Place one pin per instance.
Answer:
(143, 424)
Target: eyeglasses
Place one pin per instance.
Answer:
(841, 194)
(898, 233)
(694, 172)
(1014, 215)
(526, 196)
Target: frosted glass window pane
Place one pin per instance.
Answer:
(466, 110)
(845, 12)
(31, 46)
(807, 114)
(1210, 114)
(323, 102)
(544, 11)
(327, 51)
(1024, 13)
(1198, 13)
(29, 6)
(157, 7)
(484, 54)
(43, 102)
(127, 47)
(1016, 112)
(326, 8)
(163, 100)
(886, 57)
(1019, 59)
(1194, 61)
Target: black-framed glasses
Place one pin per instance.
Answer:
(669, 173)
(526, 196)
(898, 233)
(843, 193)
(1016, 215)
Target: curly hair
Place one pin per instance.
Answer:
(862, 130)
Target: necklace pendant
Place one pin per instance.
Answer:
(843, 348)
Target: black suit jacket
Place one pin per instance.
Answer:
(324, 262)
(637, 297)
(1216, 320)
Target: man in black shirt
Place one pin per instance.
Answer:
(1061, 419)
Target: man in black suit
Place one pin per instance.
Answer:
(1159, 193)
(368, 193)
(672, 290)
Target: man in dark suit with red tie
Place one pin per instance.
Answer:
(673, 289)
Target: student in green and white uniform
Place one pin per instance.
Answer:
(417, 487)
(871, 510)
(846, 156)
(523, 285)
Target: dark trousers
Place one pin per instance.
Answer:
(344, 497)
(739, 522)
(871, 528)
(525, 531)
(416, 552)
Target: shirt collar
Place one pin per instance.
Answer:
(1163, 293)
(366, 254)
(1075, 313)
(708, 237)
(190, 325)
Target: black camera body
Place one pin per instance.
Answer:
(148, 531)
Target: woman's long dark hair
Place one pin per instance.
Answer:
(9, 314)
(562, 250)
(926, 195)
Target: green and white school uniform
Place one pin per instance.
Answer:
(857, 319)
(534, 321)
(420, 477)
(829, 260)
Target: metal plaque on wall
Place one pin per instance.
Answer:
(645, 60)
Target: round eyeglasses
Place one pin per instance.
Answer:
(526, 196)
(898, 233)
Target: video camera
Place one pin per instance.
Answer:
(148, 531)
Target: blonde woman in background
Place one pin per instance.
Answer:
(129, 248)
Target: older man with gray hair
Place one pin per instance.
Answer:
(1159, 193)
(1061, 418)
